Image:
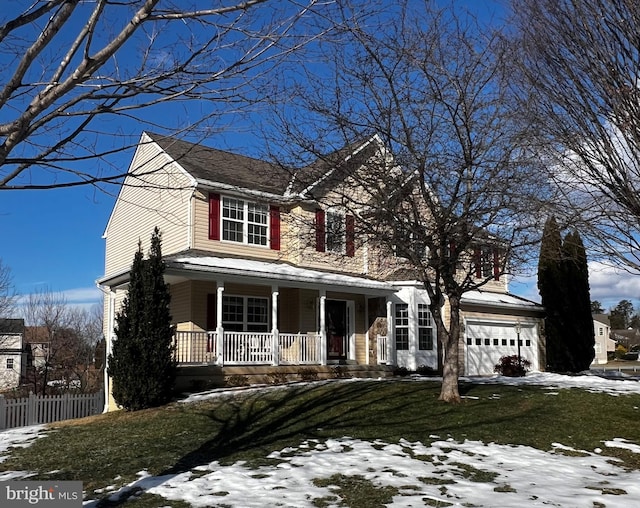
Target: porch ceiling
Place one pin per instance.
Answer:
(265, 273)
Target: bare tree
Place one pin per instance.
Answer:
(63, 339)
(451, 175)
(579, 84)
(7, 291)
(80, 77)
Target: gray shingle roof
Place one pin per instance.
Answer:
(207, 164)
(211, 165)
(11, 325)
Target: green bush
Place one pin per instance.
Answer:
(237, 380)
(401, 371)
(512, 366)
(340, 372)
(620, 351)
(425, 370)
(308, 374)
(277, 378)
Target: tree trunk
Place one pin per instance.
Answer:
(449, 391)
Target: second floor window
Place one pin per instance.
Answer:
(244, 222)
(237, 220)
(486, 261)
(335, 232)
(9, 363)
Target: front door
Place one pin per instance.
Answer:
(337, 329)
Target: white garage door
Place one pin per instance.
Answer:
(487, 342)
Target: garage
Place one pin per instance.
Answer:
(487, 341)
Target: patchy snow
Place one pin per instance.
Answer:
(442, 473)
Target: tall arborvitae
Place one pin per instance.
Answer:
(579, 335)
(142, 364)
(551, 285)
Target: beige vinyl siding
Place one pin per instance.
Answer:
(180, 306)
(160, 199)
(289, 304)
(309, 310)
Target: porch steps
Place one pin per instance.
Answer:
(194, 378)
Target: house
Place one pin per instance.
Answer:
(603, 342)
(629, 338)
(264, 274)
(38, 341)
(13, 357)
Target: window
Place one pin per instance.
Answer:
(9, 363)
(335, 232)
(245, 314)
(237, 220)
(407, 243)
(425, 328)
(244, 222)
(487, 263)
(402, 326)
(600, 331)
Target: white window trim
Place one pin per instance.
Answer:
(343, 224)
(245, 310)
(245, 221)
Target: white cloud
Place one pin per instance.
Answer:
(609, 285)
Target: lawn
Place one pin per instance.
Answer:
(109, 450)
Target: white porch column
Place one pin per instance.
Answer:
(219, 328)
(367, 339)
(109, 336)
(323, 328)
(275, 345)
(391, 340)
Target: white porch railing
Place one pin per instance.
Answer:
(299, 348)
(247, 348)
(382, 350)
(196, 347)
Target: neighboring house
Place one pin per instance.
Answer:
(629, 338)
(603, 341)
(38, 341)
(13, 357)
(262, 272)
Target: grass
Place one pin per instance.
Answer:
(108, 450)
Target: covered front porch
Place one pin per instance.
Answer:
(253, 313)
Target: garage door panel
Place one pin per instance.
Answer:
(486, 343)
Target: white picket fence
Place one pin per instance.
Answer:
(36, 409)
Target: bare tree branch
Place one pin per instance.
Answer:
(579, 84)
(76, 72)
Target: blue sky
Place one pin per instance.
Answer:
(53, 238)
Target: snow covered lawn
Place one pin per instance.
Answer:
(443, 472)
